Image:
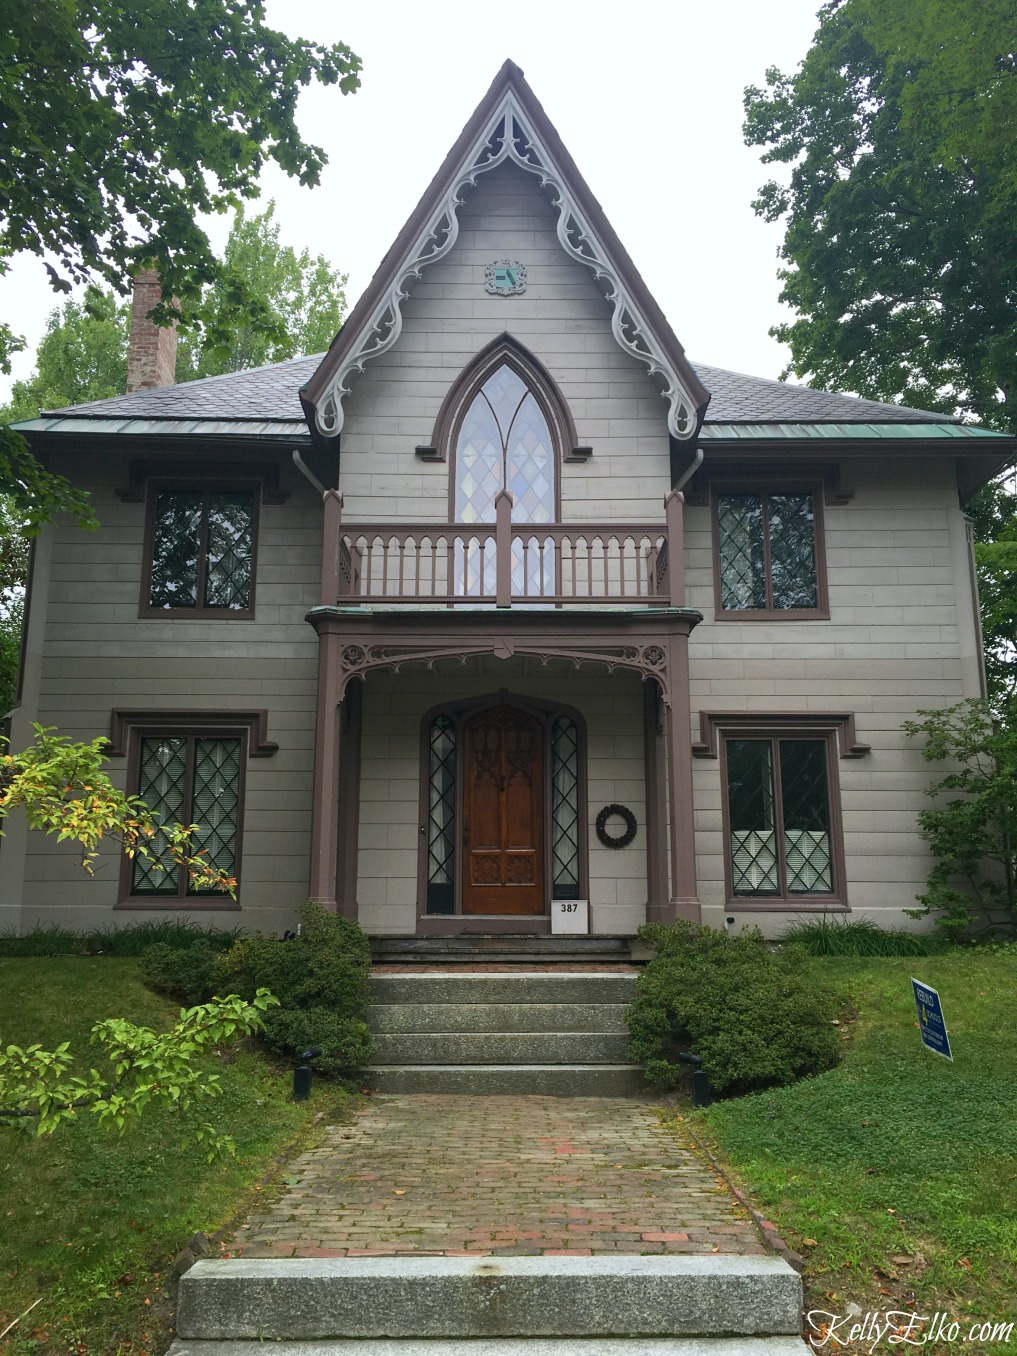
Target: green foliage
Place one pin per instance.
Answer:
(122, 125)
(899, 131)
(857, 937)
(320, 978)
(63, 790)
(972, 825)
(305, 297)
(82, 356)
(754, 1016)
(132, 939)
(896, 1169)
(37, 1086)
(994, 513)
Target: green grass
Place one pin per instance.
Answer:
(860, 937)
(91, 1221)
(897, 1154)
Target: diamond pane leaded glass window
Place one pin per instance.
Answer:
(565, 809)
(202, 550)
(505, 442)
(779, 817)
(767, 548)
(189, 779)
(441, 810)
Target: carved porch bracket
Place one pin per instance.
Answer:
(509, 136)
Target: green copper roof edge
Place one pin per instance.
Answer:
(774, 432)
(178, 428)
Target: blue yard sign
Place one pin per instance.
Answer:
(930, 1020)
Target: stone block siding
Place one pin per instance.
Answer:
(900, 637)
(394, 706)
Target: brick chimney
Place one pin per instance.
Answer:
(151, 349)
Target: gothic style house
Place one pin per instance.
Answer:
(503, 616)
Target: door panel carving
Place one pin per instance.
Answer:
(503, 813)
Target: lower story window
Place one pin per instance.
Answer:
(189, 779)
(780, 822)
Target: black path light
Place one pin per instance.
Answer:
(302, 1075)
(700, 1078)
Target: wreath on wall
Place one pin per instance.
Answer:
(623, 839)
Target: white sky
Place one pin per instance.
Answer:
(647, 96)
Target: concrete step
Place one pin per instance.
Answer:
(503, 988)
(455, 1297)
(502, 949)
(512, 1080)
(390, 1018)
(506, 1346)
(500, 1047)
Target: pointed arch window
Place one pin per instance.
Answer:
(505, 442)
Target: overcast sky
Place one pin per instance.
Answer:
(647, 96)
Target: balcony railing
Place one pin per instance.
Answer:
(503, 564)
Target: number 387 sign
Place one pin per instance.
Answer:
(931, 1023)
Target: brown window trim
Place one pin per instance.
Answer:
(205, 483)
(460, 711)
(129, 727)
(535, 375)
(838, 732)
(187, 469)
(768, 486)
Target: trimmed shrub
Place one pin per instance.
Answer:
(754, 1016)
(859, 937)
(321, 979)
(133, 939)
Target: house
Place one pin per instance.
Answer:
(502, 616)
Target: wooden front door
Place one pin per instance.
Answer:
(503, 813)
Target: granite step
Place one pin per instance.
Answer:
(396, 1018)
(506, 1346)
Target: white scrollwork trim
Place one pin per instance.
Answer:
(509, 136)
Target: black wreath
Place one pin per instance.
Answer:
(623, 839)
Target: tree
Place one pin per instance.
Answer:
(972, 824)
(119, 126)
(900, 128)
(38, 1089)
(82, 356)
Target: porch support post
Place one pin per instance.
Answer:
(674, 510)
(325, 808)
(656, 802)
(351, 725)
(684, 901)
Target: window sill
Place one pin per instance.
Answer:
(173, 903)
(791, 904)
(772, 615)
(198, 614)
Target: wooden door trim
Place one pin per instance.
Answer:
(460, 711)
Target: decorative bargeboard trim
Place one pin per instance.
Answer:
(510, 136)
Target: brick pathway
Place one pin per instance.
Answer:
(506, 1176)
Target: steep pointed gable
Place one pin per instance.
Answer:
(508, 125)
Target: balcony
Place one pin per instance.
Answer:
(503, 564)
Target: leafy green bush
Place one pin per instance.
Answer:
(320, 978)
(755, 1017)
(859, 937)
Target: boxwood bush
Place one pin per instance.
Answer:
(320, 978)
(755, 1017)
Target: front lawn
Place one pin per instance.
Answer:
(895, 1174)
(91, 1221)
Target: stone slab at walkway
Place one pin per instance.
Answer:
(431, 1175)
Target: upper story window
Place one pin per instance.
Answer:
(504, 442)
(768, 553)
(201, 550)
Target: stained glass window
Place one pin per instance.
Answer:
(565, 809)
(441, 811)
(202, 550)
(189, 779)
(779, 817)
(767, 545)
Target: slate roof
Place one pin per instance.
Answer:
(269, 395)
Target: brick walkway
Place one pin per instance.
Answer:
(505, 1176)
